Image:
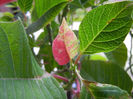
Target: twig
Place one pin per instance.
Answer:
(78, 58)
(60, 77)
(49, 33)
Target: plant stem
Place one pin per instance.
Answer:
(60, 77)
(49, 33)
(78, 58)
(78, 87)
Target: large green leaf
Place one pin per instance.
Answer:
(106, 72)
(46, 18)
(25, 5)
(16, 59)
(104, 28)
(118, 56)
(42, 6)
(105, 91)
(20, 75)
(45, 88)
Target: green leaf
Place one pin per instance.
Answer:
(45, 88)
(46, 18)
(20, 75)
(118, 56)
(25, 5)
(106, 72)
(105, 91)
(85, 94)
(42, 6)
(104, 28)
(16, 58)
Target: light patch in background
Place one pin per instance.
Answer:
(128, 45)
(55, 69)
(36, 50)
(75, 26)
(36, 34)
(28, 14)
(43, 66)
(74, 85)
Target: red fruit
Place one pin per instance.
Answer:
(65, 45)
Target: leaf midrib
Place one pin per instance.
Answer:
(101, 30)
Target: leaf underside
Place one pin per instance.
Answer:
(16, 58)
(20, 75)
(46, 88)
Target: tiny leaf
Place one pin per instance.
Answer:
(65, 45)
